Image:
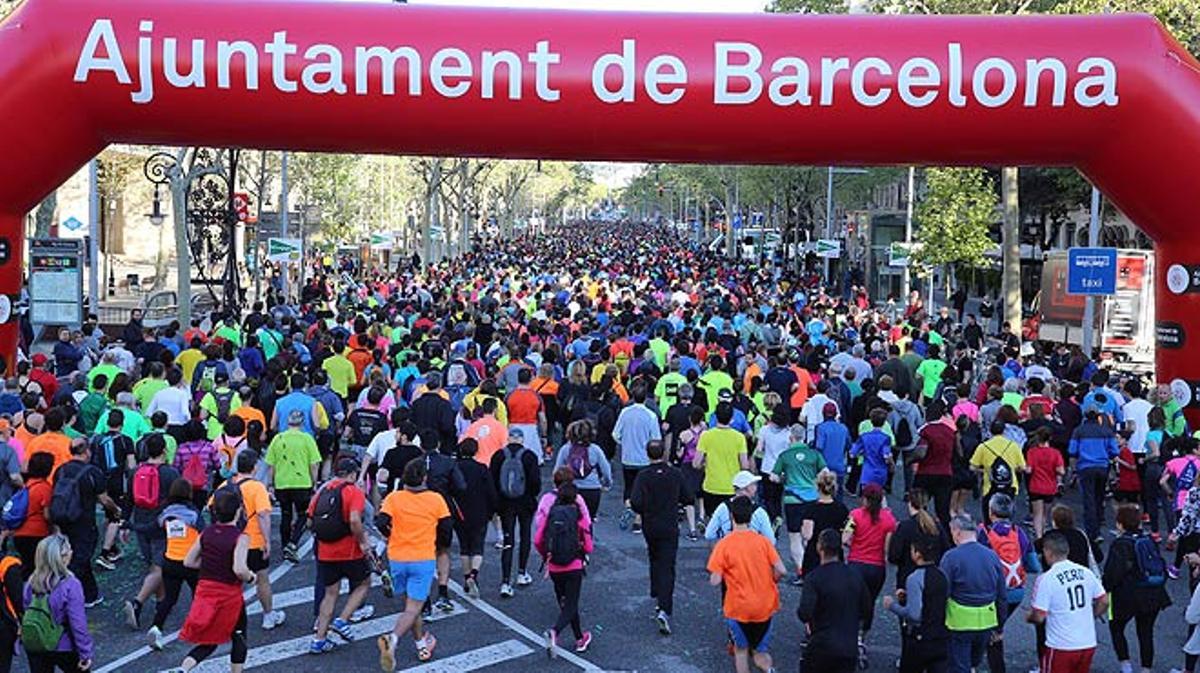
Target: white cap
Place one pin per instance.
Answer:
(743, 479)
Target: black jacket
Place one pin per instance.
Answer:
(833, 604)
(1120, 580)
(430, 411)
(478, 499)
(533, 479)
(658, 492)
(908, 532)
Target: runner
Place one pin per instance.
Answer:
(256, 508)
(1068, 598)
(517, 481)
(658, 493)
(336, 513)
(181, 522)
(564, 539)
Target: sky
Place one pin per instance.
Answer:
(643, 5)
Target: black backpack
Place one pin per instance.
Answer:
(904, 435)
(66, 503)
(328, 522)
(1000, 474)
(562, 534)
(512, 474)
(224, 401)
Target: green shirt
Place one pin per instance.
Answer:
(714, 382)
(667, 391)
(722, 447)
(293, 453)
(269, 341)
(145, 389)
(134, 426)
(930, 373)
(797, 468)
(229, 333)
(660, 349)
(109, 370)
(341, 374)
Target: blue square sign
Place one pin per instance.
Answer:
(1092, 271)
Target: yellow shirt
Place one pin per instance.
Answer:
(722, 449)
(998, 447)
(341, 374)
(187, 361)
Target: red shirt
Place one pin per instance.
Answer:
(939, 437)
(35, 520)
(345, 549)
(1127, 478)
(868, 543)
(1044, 462)
(1042, 401)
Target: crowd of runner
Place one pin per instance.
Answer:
(393, 417)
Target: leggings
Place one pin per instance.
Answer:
(1144, 624)
(8, 644)
(174, 574)
(49, 662)
(873, 576)
(591, 499)
(770, 496)
(510, 518)
(567, 586)
(293, 513)
(237, 655)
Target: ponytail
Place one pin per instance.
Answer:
(918, 499)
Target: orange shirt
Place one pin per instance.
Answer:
(360, 358)
(180, 538)
(751, 371)
(254, 500)
(805, 379)
(492, 436)
(248, 413)
(24, 436)
(415, 516)
(745, 561)
(544, 386)
(523, 406)
(55, 443)
(36, 524)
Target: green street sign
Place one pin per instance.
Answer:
(284, 249)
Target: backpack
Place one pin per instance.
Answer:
(146, 487)
(224, 402)
(562, 534)
(234, 487)
(1008, 548)
(1152, 569)
(1187, 476)
(66, 503)
(328, 521)
(105, 455)
(578, 459)
(1000, 474)
(39, 631)
(194, 472)
(904, 434)
(15, 510)
(512, 474)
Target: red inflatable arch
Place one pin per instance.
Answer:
(1113, 95)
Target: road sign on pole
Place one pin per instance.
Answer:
(284, 249)
(829, 248)
(899, 254)
(1092, 271)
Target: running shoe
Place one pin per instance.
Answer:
(290, 553)
(272, 619)
(362, 614)
(425, 647)
(506, 590)
(693, 535)
(105, 562)
(387, 652)
(99, 600)
(664, 623)
(385, 581)
(1172, 572)
(626, 519)
(427, 609)
(343, 629)
(155, 636)
(551, 643)
(321, 646)
(863, 662)
(524, 579)
(583, 643)
(444, 604)
(471, 586)
(499, 544)
(133, 614)
(637, 527)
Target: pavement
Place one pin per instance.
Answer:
(496, 634)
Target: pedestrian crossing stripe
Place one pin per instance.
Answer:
(365, 633)
(287, 599)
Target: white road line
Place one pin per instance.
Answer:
(279, 571)
(474, 660)
(295, 647)
(524, 631)
(301, 596)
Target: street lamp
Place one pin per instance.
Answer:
(158, 169)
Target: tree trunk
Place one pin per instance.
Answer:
(44, 218)
(1011, 242)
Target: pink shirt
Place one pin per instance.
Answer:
(585, 533)
(965, 408)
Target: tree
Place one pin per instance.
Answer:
(955, 214)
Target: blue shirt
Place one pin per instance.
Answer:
(876, 448)
(738, 422)
(833, 440)
(294, 401)
(1092, 446)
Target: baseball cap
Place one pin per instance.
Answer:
(39, 359)
(516, 436)
(725, 395)
(347, 465)
(743, 479)
(296, 417)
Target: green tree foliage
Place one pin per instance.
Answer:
(955, 213)
(1180, 17)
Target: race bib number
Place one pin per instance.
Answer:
(176, 529)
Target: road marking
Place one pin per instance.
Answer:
(364, 633)
(475, 659)
(287, 599)
(487, 608)
(279, 571)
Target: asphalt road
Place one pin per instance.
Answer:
(497, 634)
